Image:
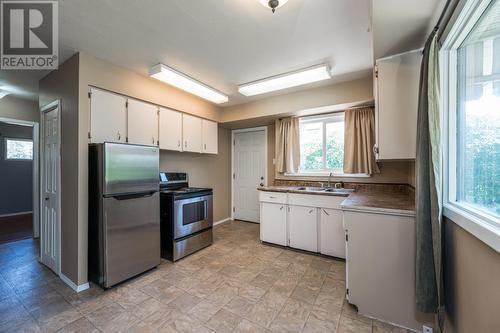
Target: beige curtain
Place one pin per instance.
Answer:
(287, 145)
(359, 138)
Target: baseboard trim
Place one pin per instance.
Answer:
(222, 221)
(16, 214)
(72, 285)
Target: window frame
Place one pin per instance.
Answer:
(479, 223)
(324, 172)
(6, 139)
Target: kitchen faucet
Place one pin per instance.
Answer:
(329, 178)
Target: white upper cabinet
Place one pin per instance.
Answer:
(209, 136)
(191, 131)
(396, 103)
(108, 117)
(170, 129)
(142, 123)
(303, 228)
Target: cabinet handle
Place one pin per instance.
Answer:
(185, 144)
(272, 197)
(119, 136)
(205, 145)
(281, 208)
(153, 138)
(324, 211)
(312, 210)
(289, 209)
(178, 143)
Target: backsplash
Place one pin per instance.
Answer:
(399, 188)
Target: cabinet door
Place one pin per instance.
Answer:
(396, 105)
(191, 133)
(142, 123)
(273, 223)
(210, 136)
(170, 129)
(332, 234)
(108, 117)
(303, 228)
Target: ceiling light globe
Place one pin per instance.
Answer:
(266, 3)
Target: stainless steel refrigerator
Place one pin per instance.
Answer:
(124, 212)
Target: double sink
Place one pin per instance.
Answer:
(326, 189)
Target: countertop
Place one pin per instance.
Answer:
(381, 201)
(295, 189)
(373, 200)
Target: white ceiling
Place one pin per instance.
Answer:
(222, 43)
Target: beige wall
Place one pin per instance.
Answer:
(105, 75)
(206, 170)
(63, 84)
(471, 285)
(19, 109)
(340, 93)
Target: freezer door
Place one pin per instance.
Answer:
(130, 168)
(132, 235)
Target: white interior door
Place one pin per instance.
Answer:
(50, 210)
(249, 163)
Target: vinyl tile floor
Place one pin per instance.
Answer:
(235, 285)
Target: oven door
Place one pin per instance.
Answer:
(192, 215)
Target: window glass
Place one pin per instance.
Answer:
(478, 116)
(19, 149)
(322, 143)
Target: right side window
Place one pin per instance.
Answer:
(477, 121)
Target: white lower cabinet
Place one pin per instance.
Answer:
(332, 235)
(303, 228)
(273, 223)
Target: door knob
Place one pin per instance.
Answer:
(261, 177)
(47, 198)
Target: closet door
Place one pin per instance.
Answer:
(142, 123)
(170, 129)
(108, 117)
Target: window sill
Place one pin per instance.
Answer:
(327, 174)
(483, 229)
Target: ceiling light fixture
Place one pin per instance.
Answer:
(288, 80)
(4, 93)
(182, 81)
(273, 4)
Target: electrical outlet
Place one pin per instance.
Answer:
(426, 329)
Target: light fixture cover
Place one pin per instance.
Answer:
(288, 80)
(182, 81)
(265, 3)
(4, 93)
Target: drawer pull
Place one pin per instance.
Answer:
(272, 197)
(281, 208)
(324, 211)
(312, 210)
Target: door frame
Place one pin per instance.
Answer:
(43, 110)
(233, 143)
(35, 173)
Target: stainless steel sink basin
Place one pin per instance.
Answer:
(339, 190)
(324, 189)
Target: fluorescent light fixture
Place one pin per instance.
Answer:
(4, 93)
(294, 79)
(182, 81)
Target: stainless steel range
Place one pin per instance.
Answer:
(186, 216)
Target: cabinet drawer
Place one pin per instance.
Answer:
(274, 197)
(315, 200)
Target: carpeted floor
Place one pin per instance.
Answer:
(17, 227)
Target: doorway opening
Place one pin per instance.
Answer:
(19, 181)
(249, 171)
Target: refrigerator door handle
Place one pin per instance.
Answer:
(133, 195)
